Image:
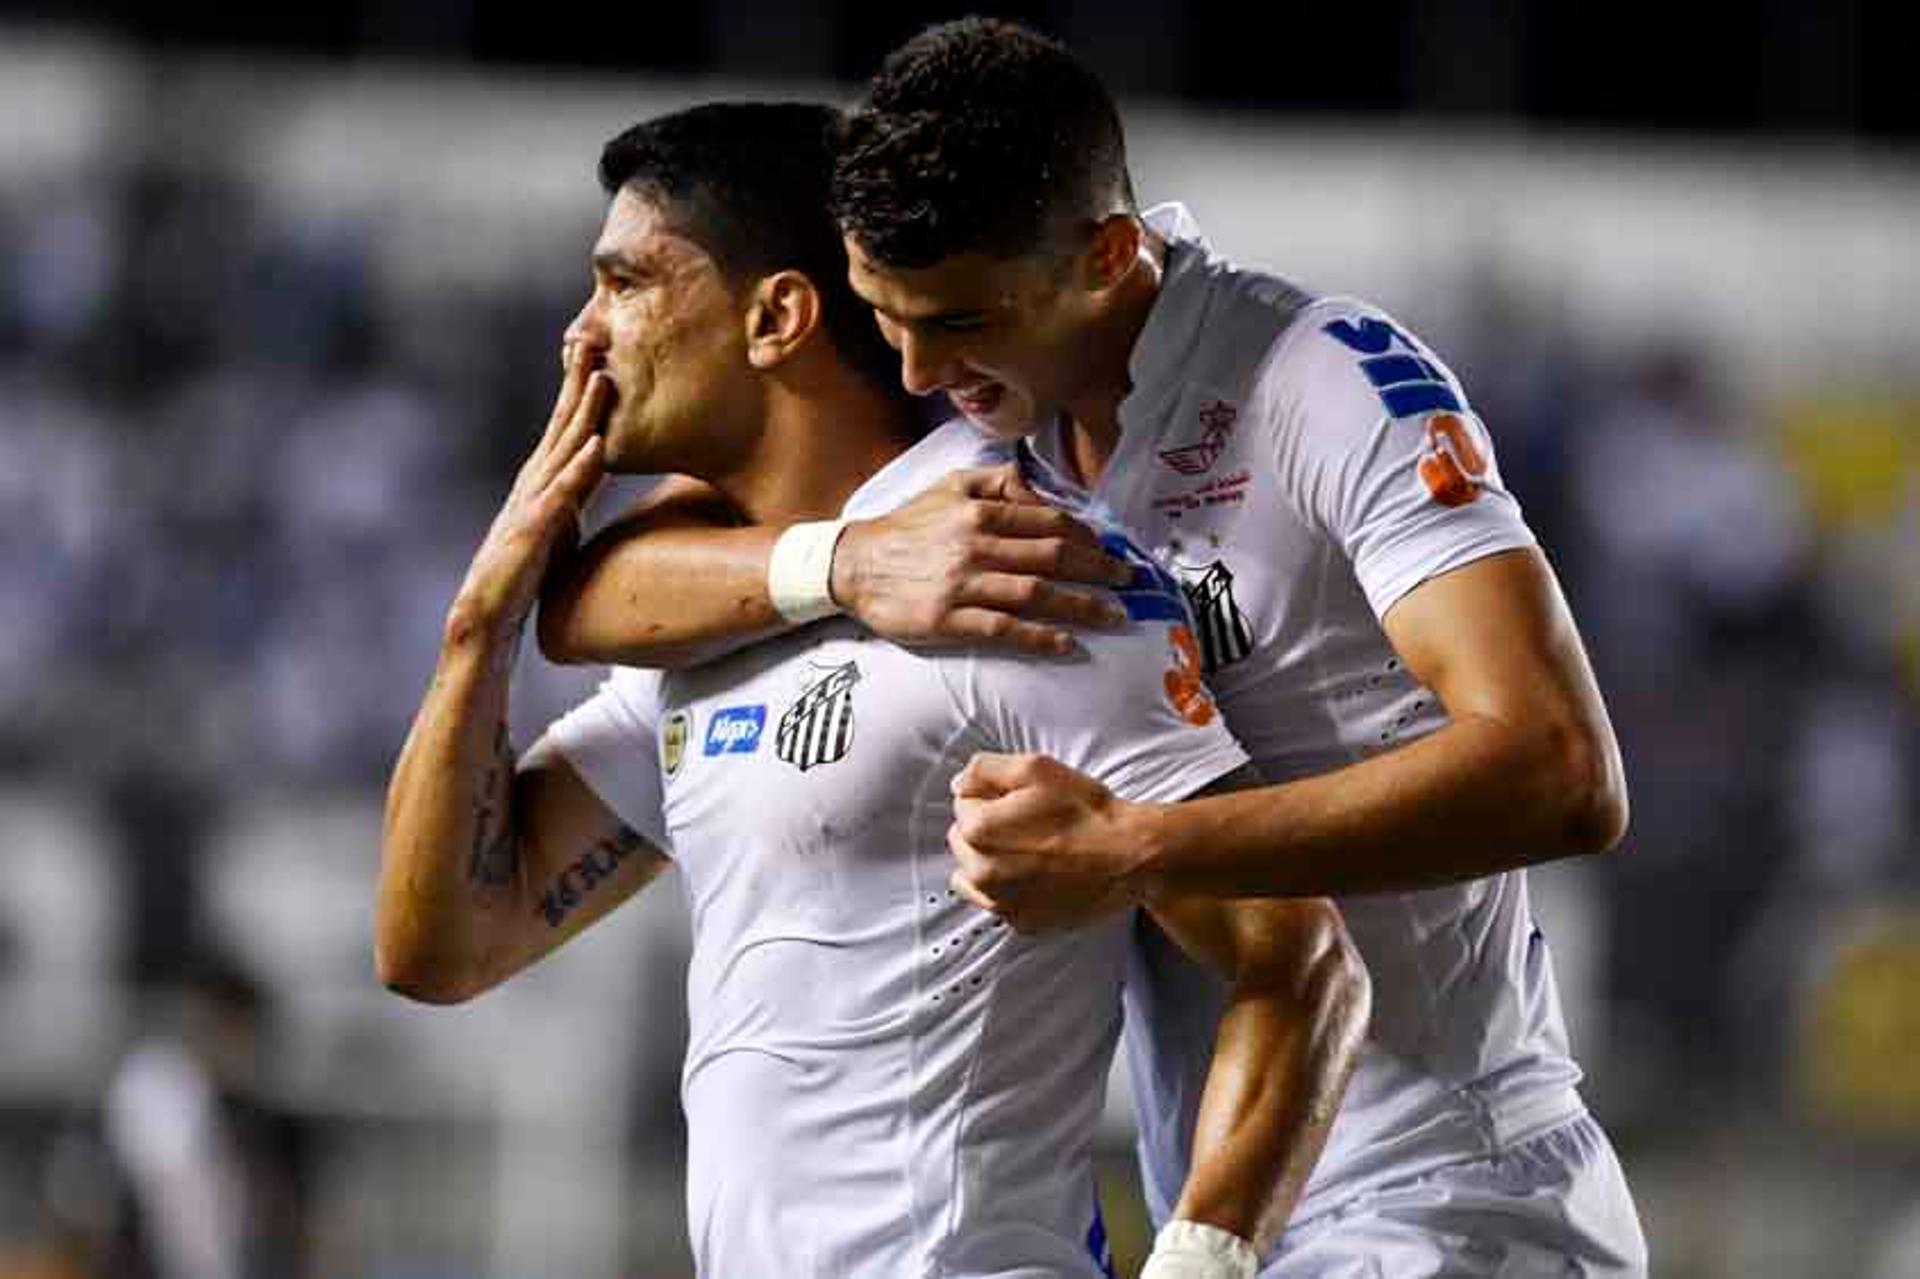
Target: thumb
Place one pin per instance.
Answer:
(1000, 483)
(988, 775)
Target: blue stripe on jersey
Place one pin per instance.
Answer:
(1371, 336)
(1153, 595)
(1419, 397)
(1097, 1241)
(1386, 370)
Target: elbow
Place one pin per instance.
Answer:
(1590, 791)
(427, 986)
(415, 974)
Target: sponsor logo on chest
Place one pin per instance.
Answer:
(1199, 455)
(1196, 459)
(1221, 490)
(736, 730)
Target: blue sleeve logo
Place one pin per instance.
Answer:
(1406, 382)
(736, 730)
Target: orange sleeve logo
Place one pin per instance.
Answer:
(1185, 692)
(1453, 466)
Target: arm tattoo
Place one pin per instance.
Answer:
(496, 848)
(595, 866)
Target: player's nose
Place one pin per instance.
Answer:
(922, 370)
(587, 331)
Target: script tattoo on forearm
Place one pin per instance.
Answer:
(496, 849)
(595, 866)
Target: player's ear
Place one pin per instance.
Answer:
(784, 312)
(1113, 251)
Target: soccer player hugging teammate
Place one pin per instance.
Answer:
(1373, 617)
(882, 1078)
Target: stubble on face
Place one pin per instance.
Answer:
(670, 335)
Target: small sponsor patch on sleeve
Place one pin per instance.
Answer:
(1453, 466)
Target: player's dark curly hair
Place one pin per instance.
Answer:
(979, 135)
(748, 181)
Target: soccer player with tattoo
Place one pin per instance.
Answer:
(882, 1078)
(1372, 614)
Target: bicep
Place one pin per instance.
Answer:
(1495, 638)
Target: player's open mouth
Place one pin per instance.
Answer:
(979, 401)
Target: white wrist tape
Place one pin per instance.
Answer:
(1194, 1250)
(800, 571)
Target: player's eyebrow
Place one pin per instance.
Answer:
(953, 315)
(613, 261)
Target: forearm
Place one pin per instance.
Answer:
(661, 596)
(1472, 799)
(1283, 1053)
(450, 863)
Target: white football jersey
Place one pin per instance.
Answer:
(882, 1080)
(1301, 464)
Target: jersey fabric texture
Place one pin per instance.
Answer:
(881, 1079)
(1300, 464)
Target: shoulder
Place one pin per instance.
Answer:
(1238, 315)
(1349, 356)
(952, 446)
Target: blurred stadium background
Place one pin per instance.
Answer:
(280, 293)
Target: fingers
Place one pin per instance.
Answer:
(1051, 541)
(984, 624)
(964, 887)
(582, 472)
(989, 775)
(589, 415)
(1064, 559)
(573, 385)
(1000, 483)
(1037, 599)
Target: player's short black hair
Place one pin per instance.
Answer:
(979, 135)
(748, 182)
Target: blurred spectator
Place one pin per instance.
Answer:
(1690, 560)
(199, 1171)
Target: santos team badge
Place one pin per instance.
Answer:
(818, 728)
(1225, 637)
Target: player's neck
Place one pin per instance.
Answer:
(1093, 416)
(815, 450)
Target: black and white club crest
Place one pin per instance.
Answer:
(1225, 637)
(818, 728)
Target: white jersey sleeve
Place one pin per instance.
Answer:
(1130, 711)
(613, 741)
(1377, 446)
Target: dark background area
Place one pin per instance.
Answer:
(1774, 66)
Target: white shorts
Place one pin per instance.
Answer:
(1553, 1207)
